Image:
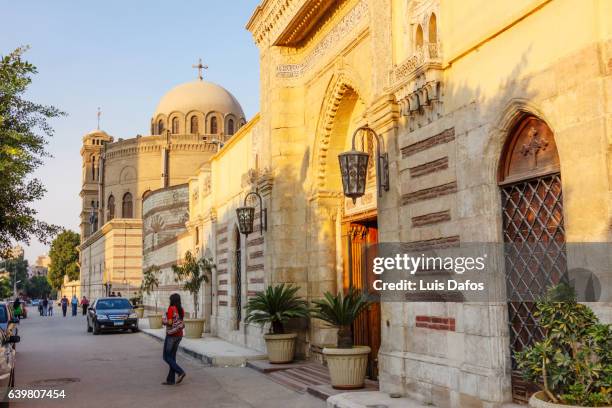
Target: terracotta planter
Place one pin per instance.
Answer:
(539, 400)
(139, 312)
(155, 321)
(193, 328)
(347, 367)
(281, 347)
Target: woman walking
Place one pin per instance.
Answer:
(173, 320)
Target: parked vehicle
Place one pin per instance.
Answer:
(111, 313)
(7, 363)
(8, 322)
(35, 302)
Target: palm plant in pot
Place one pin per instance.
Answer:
(347, 362)
(573, 362)
(150, 282)
(275, 306)
(192, 273)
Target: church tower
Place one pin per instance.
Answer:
(92, 177)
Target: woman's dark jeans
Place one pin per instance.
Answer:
(170, 348)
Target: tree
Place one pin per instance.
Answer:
(64, 258)
(38, 287)
(150, 281)
(24, 129)
(192, 273)
(6, 289)
(17, 268)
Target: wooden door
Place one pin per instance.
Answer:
(366, 329)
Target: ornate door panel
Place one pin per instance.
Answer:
(534, 234)
(366, 329)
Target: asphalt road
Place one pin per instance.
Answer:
(126, 370)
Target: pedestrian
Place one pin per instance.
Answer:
(40, 307)
(64, 304)
(118, 294)
(50, 310)
(75, 304)
(45, 305)
(173, 320)
(17, 308)
(113, 294)
(84, 304)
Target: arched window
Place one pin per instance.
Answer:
(533, 230)
(111, 208)
(160, 127)
(152, 128)
(419, 37)
(433, 29)
(127, 206)
(230, 127)
(194, 125)
(175, 126)
(213, 125)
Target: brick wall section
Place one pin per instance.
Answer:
(436, 243)
(431, 218)
(256, 280)
(251, 268)
(255, 242)
(256, 255)
(429, 167)
(223, 282)
(436, 323)
(429, 193)
(443, 137)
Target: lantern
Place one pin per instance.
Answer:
(354, 171)
(246, 215)
(354, 168)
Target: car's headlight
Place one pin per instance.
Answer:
(102, 317)
(133, 315)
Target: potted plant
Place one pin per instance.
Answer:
(275, 306)
(192, 273)
(573, 362)
(150, 282)
(347, 363)
(136, 301)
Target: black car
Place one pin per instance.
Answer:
(7, 364)
(111, 313)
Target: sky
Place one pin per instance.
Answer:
(121, 56)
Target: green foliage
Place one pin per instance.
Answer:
(574, 360)
(6, 289)
(341, 311)
(150, 281)
(192, 273)
(64, 258)
(16, 267)
(276, 305)
(38, 287)
(24, 127)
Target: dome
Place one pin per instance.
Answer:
(202, 96)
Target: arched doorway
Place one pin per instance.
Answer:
(358, 222)
(533, 229)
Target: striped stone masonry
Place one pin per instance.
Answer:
(446, 136)
(436, 243)
(431, 218)
(256, 280)
(429, 167)
(257, 267)
(436, 323)
(256, 255)
(223, 282)
(255, 242)
(429, 193)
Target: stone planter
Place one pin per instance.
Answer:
(155, 321)
(139, 312)
(539, 400)
(347, 367)
(193, 328)
(281, 347)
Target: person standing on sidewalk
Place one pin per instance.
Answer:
(84, 304)
(64, 304)
(173, 320)
(50, 311)
(75, 304)
(45, 304)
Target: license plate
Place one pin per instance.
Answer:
(118, 323)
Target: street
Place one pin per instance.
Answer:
(126, 370)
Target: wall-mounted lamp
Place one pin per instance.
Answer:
(246, 216)
(354, 167)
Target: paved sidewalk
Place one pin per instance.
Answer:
(210, 350)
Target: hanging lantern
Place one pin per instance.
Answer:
(246, 216)
(354, 171)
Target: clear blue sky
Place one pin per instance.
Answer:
(121, 56)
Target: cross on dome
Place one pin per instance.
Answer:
(199, 67)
